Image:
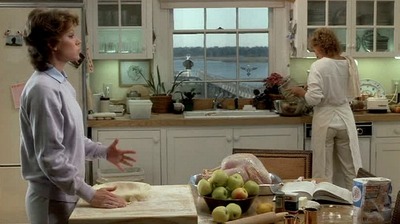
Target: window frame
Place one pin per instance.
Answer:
(237, 31)
(163, 32)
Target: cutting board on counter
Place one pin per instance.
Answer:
(166, 204)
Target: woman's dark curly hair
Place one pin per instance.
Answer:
(327, 41)
(44, 30)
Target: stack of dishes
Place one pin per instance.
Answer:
(316, 16)
(368, 41)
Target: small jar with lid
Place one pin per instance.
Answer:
(279, 201)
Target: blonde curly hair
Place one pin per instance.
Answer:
(326, 40)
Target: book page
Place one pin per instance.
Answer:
(330, 192)
(304, 188)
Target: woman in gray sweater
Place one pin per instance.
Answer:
(53, 144)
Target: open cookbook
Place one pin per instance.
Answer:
(323, 191)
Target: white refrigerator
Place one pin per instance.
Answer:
(15, 70)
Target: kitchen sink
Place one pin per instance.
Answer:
(229, 113)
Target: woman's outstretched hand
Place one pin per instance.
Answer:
(117, 156)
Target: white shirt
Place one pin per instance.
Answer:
(327, 82)
(327, 85)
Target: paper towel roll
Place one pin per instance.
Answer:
(96, 102)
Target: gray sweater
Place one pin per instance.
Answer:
(53, 144)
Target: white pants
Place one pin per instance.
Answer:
(41, 210)
(339, 161)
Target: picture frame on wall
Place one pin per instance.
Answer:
(129, 73)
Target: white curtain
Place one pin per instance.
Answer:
(168, 4)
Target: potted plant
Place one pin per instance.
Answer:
(160, 97)
(188, 99)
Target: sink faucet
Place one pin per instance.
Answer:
(217, 104)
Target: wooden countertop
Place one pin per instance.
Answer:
(166, 204)
(179, 204)
(165, 120)
(327, 214)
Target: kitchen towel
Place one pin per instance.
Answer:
(353, 86)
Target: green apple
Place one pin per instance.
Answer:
(220, 193)
(239, 193)
(234, 210)
(218, 178)
(234, 181)
(204, 187)
(220, 214)
(252, 187)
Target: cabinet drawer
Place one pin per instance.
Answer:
(387, 130)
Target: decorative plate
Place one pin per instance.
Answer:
(371, 88)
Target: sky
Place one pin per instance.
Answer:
(225, 18)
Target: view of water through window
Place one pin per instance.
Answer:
(228, 56)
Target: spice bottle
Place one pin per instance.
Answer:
(279, 201)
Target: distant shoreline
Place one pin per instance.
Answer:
(231, 59)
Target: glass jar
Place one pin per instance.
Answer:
(279, 201)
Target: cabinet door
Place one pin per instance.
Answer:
(120, 29)
(366, 28)
(147, 147)
(192, 150)
(272, 137)
(312, 14)
(373, 28)
(386, 160)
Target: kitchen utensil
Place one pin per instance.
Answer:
(269, 217)
(289, 108)
(284, 89)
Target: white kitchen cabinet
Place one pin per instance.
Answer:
(120, 29)
(146, 143)
(366, 28)
(386, 152)
(192, 149)
(289, 137)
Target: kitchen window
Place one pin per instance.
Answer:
(223, 51)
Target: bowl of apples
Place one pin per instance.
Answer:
(244, 204)
(227, 194)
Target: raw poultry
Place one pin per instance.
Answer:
(248, 165)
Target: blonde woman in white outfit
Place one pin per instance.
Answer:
(332, 82)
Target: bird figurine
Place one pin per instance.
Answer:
(248, 69)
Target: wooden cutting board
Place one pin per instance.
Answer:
(166, 204)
